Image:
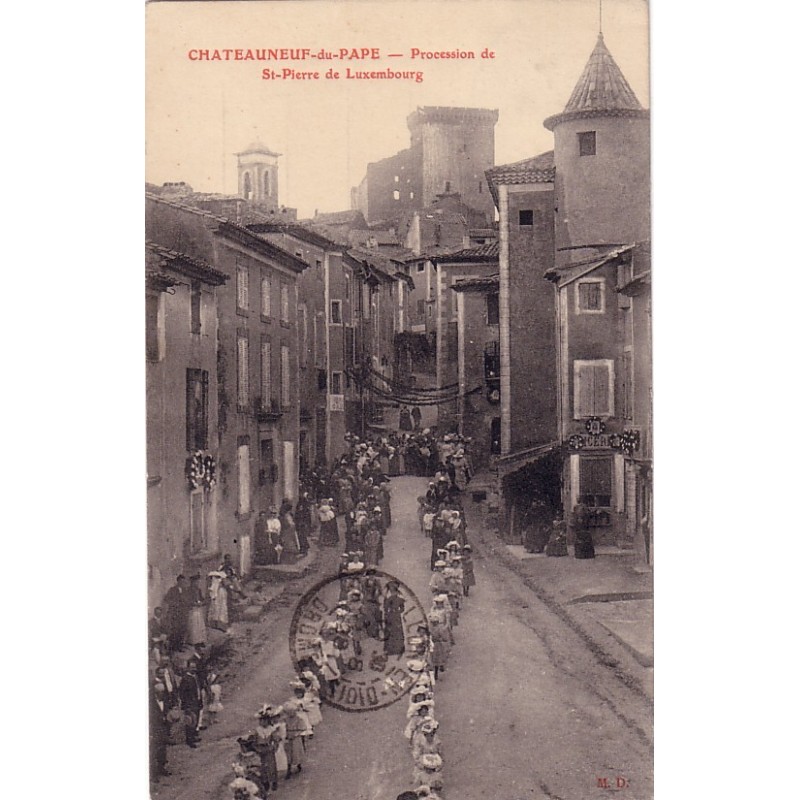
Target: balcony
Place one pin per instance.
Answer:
(267, 411)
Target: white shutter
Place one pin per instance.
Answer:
(266, 373)
(242, 288)
(243, 376)
(243, 459)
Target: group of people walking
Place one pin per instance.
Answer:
(442, 520)
(276, 748)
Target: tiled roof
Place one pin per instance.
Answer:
(185, 264)
(539, 169)
(568, 273)
(234, 231)
(487, 283)
(292, 229)
(601, 90)
(483, 252)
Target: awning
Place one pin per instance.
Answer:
(514, 461)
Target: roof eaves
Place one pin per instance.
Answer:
(187, 265)
(247, 238)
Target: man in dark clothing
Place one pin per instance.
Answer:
(159, 732)
(177, 603)
(191, 696)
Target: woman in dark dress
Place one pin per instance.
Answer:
(329, 528)
(302, 520)
(393, 607)
(584, 546)
(405, 419)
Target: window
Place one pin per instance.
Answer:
(243, 472)
(494, 437)
(266, 184)
(336, 383)
(421, 267)
(243, 369)
(153, 327)
(285, 303)
(596, 476)
(242, 289)
(197, 521)
(421, 308)
(266, 296)
(492, 309)
(196, 409)
(411, 195)
(336, 312)
(247, 187)
(526, 216)
(396, 194)
(397, 179)
(590, 296)
(480, 187)
(266, 374)
(491, 361)
(587, 143)
(196, 298)
(447, 186)
(594, 388)
(286, 389)
(322, 380)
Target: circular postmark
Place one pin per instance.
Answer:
(353, 632)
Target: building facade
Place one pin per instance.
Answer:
(181, 329)
(256, 367)
(601, 276)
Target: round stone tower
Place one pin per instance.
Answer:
(602, 159)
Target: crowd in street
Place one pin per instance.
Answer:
(352, 502)
(185, 690)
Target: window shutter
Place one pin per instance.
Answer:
(244, 374)
(600, 404)
(266, 374)
(190, 414)
(285, 387)
(242, 289)
(585, 391)
(203, 421)
(243, 460)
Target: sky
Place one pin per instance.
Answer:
(200, 113)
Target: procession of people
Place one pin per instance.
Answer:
(349, 507)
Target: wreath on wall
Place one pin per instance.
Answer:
(201, 470)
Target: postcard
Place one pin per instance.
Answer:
(399, 400)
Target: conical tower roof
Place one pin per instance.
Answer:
(601, 91)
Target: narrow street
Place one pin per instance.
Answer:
(526, 709)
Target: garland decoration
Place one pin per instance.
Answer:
(201, 470)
